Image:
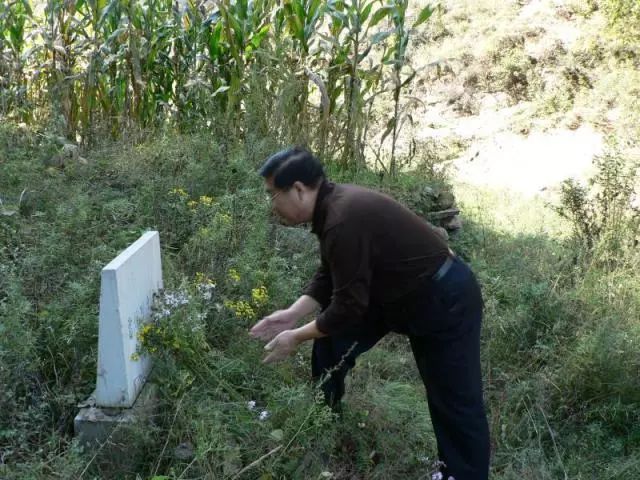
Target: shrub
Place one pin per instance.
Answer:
(624, 18)
(604, 216)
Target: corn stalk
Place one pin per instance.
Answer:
(13, 18)
(349, 45)
(134, 63)
(398, 13)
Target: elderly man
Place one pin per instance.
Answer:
(382, 269)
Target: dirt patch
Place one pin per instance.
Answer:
(530, 164)
(515, 140)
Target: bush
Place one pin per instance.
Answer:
(624, 18)
(604, 217)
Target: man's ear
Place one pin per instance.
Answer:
(299, 188)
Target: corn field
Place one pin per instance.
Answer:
(101, 67)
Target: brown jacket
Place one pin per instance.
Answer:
(374, 251)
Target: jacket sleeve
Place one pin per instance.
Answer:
(320, 286)
(349, 259)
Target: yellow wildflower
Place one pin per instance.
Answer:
(180, 192)
(260, 296)
(241, 309)
(201, 280)
(205, 200)
(144, 331)
(224, 218)
(192, 204)
(234, 276)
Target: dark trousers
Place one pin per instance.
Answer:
(443, 324)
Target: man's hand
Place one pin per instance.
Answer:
(272, 325)
(282, 346)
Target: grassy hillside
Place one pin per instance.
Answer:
(559, 275)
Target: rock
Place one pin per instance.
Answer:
(232, 462)
(429, 192)
(28, 203)
(453, 224)
(184, 451)
(68, 154)
(445, 200)
(442, 215)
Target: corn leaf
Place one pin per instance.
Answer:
(365, 13)
(380, 36)
(380, 14)
(424, 15)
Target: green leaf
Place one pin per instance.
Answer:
(222, 89)
(259, 36)
(27, 7)
(315, 8)
(277, 435)
(379, 15)
(424, 15)
(408, 80)
(380, 36)
(364, 54)
(365, 13)
(338, 19)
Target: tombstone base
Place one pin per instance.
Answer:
(96, 425)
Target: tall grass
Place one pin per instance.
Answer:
(558, 344)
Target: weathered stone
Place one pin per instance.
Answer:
(453, 224)
(445, 200)
(126, 296)
(443, 214)
(94, 425)
(429, 192)
(122, 398)
(68, 154)
(184, 451)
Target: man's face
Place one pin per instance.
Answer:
(284, 203)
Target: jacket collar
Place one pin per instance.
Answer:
(321, 207)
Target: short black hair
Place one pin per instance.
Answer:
(293, 165)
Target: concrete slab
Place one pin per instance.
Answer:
(128, 284)
(95, 425)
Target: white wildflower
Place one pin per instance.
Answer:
(175, 299)
(436, 476)
(251, 404)
(206, 289)
(160, 314)
(263, 415)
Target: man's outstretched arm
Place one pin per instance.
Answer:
(282, 320)
(287, 342)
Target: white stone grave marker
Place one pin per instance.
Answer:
(126, 295)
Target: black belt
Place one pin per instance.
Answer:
(444, 268)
